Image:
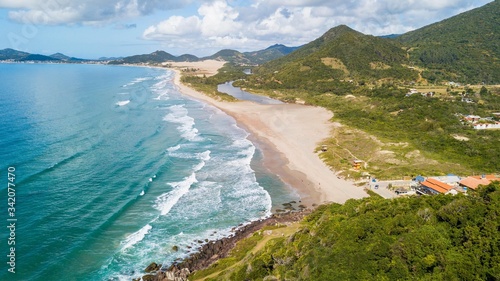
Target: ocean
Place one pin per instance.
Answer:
(111, 167)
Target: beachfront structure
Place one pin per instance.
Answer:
(356, 164)
(485, 126)
(450, 179)
(473, 182)
(434, 186)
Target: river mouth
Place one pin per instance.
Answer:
(238, 93)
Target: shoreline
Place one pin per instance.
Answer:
(287, 135)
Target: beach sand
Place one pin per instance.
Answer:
(288, 135)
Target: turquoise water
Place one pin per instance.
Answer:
(114, 167)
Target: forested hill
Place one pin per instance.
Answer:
(463, 48)
(441, 237)
(340, 54)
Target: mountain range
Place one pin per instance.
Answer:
(463, 48)
(255, 57)
(15, 55)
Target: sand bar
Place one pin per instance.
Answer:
(287, 134)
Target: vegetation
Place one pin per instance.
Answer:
(439, 237)
(463, 48)
(208, 85)
(331, 61)
(364, 81)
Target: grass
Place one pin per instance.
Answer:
(384, 159)
(244, 251)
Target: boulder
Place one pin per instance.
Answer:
(148, 277)
(152, 267)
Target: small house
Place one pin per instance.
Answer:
(473, 182)
(434, 186)
(356, 164)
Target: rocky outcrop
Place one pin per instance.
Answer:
(214, 250)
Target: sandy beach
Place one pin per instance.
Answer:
(287, 134)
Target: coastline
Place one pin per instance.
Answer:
(288, 135)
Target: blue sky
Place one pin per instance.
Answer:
(97, 28)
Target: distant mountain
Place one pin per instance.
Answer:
(340, 54)
(228, 55)
(65, 58)
(390, 36)
(268, 54)
(110, 58)
(37, 57)
(11, 54)
(256, 57)
(14, 55)
(463, 48)
(187, 57)
(155, 57)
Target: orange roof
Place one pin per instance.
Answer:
(474, 181)
(489, 177)
(436, 185)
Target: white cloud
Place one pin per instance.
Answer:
(242, 25)
(55, 12)
(216, 22)
(296, 22)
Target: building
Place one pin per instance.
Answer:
(434, 186)
(450, 179)
(356, 164)
(485, 126)
(472, 118)
(473, 182)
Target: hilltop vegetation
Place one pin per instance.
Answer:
(364, 81)
(463, 48)
(416, 238)
(341, 54)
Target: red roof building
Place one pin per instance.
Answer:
(436, 186)
(474, 181)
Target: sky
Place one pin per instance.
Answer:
(110, 28)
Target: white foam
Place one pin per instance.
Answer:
(137, 80)
(173, 148)
(179, 115)
(122, 103)
(205, 156)
(166, 201)
(136, 237)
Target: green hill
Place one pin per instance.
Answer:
(255, 57)
(11, 54)
(155, 57)
(464, 48)
(415, 238)
(341, 54)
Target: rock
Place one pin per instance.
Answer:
(148, 277)
(152, 267)
(175, 248)
(184, 273)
